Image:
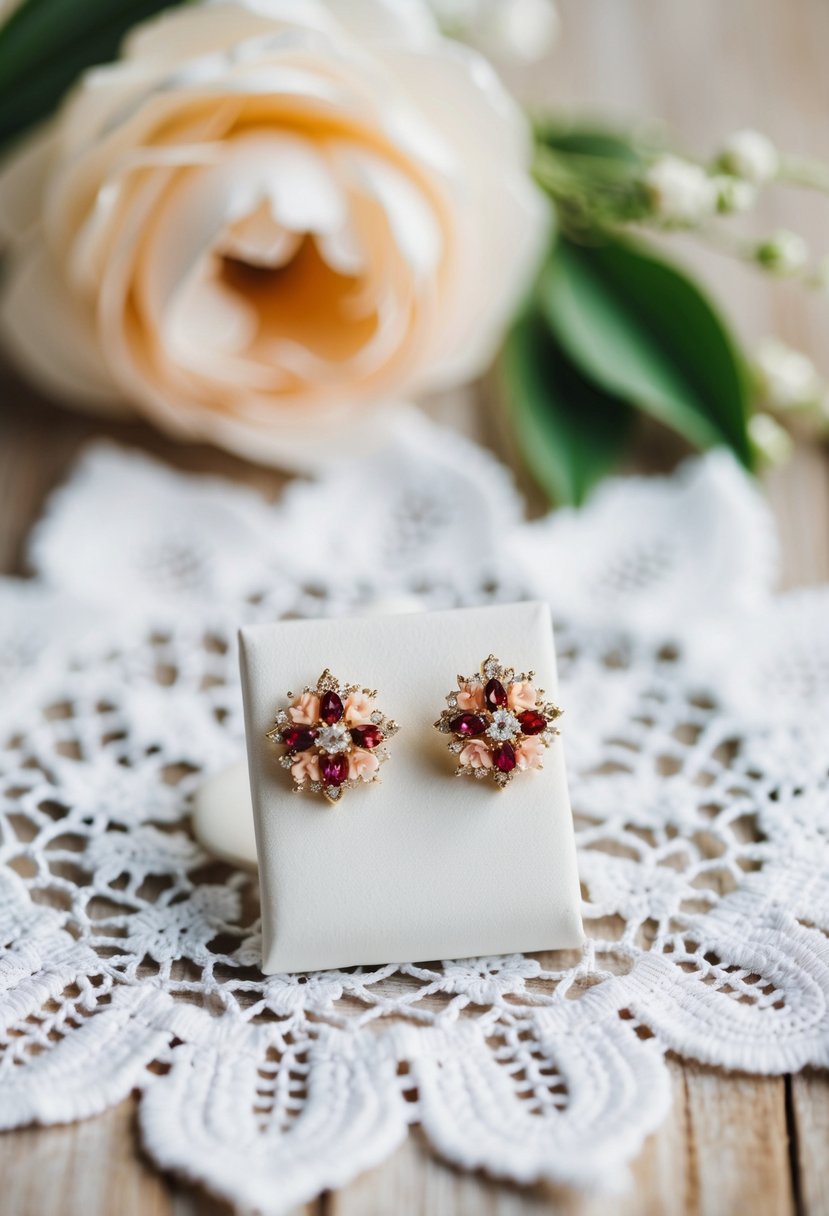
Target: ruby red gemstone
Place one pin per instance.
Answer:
(367, 736)
(298, 738)
(334, 769)
(504, 757)
(468, 725)
(532, 722)
(331, 708)
(495, 694)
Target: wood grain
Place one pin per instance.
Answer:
(731, 1144)
(809, 1126)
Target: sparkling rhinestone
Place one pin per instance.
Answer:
(504, 757)
(333, 738)
(331, 707)
(452, 702)
(333, 769)
(468, 725)
(298, 738)
(377, 717)
(480, 772)
(532, 722)
(504, 725)
(491, 668)
(495, 695)
(367, 736)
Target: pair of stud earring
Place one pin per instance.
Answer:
(334, 736)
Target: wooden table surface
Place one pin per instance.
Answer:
(732, 1144)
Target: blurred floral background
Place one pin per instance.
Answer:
(266, 225)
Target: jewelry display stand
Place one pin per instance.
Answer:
(423, 864)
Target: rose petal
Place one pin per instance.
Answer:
(52, 337)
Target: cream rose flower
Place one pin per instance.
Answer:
(267, 215)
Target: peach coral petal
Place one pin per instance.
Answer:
(522, 695)
(358, 709)
(305, 710)
(529, 754)
(476, 755)
(306, 768)
(362, 765)
(470, 697)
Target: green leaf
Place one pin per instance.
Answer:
(46, 44)
(644, 332)
(592, 142)
(569, 431)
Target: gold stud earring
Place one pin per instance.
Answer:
(498, 723)
(333, 737)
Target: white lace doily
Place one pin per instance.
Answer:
(697, 736)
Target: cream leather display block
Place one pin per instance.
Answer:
(423, 865)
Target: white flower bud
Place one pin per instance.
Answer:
(681, 193)
(750, 155)
(733, 194)
(783, 253)
(788, 379)
(772, 444)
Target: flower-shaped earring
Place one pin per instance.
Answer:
(499, 722)
(333, 737)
